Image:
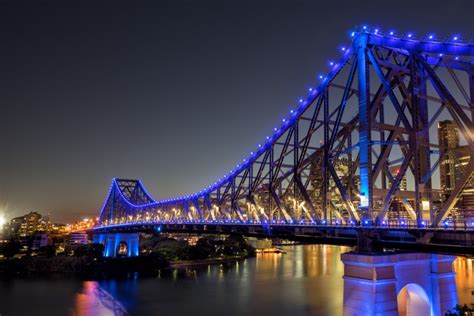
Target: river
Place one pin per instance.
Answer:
(307, 280)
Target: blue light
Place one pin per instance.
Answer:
(430, 37)
(455, 38)
(275, 129)
(409, 35)
(301, 100)
(321, 77)
(366, 222)
(391, 33)
(376, 31)
(331, 63)
(364, 27)
(423, 223)
(353, 34)
(310, 89)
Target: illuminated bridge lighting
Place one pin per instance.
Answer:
(293, 162)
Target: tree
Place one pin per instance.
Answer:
(47, 251)
(90, 250)
(459, 310)
(11, 248)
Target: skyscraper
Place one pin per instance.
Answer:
(448, 138)
(452, 168)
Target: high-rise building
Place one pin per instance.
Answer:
(78, 238)
(452, 169)
(448, 139)
(395, 169)
(27, 225)
(398, 207)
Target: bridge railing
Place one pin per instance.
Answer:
(393, 224)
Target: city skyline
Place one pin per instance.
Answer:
(67, 136)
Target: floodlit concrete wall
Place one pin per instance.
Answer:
(372, 283)
(112, 241)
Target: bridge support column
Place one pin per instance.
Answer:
(114, 242)
(410, 283)
(365, 143)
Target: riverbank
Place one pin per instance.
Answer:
(203, 262)
(158, 253)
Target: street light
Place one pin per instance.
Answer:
(2, 221)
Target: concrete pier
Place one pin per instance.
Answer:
(411, 284)
(118, 244)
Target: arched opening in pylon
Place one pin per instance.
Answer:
(412, 300)
(122, 249)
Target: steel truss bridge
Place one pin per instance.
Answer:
(364, 138)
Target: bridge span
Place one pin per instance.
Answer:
(381, 146)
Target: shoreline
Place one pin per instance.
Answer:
(190, 263)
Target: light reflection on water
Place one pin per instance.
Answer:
(94, 300)
(307, 280)
(464, 279)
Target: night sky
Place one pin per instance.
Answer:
(171, 92)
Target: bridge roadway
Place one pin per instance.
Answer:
(452, 239)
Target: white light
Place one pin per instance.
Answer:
(2, 221)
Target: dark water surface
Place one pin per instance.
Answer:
(305, 281)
